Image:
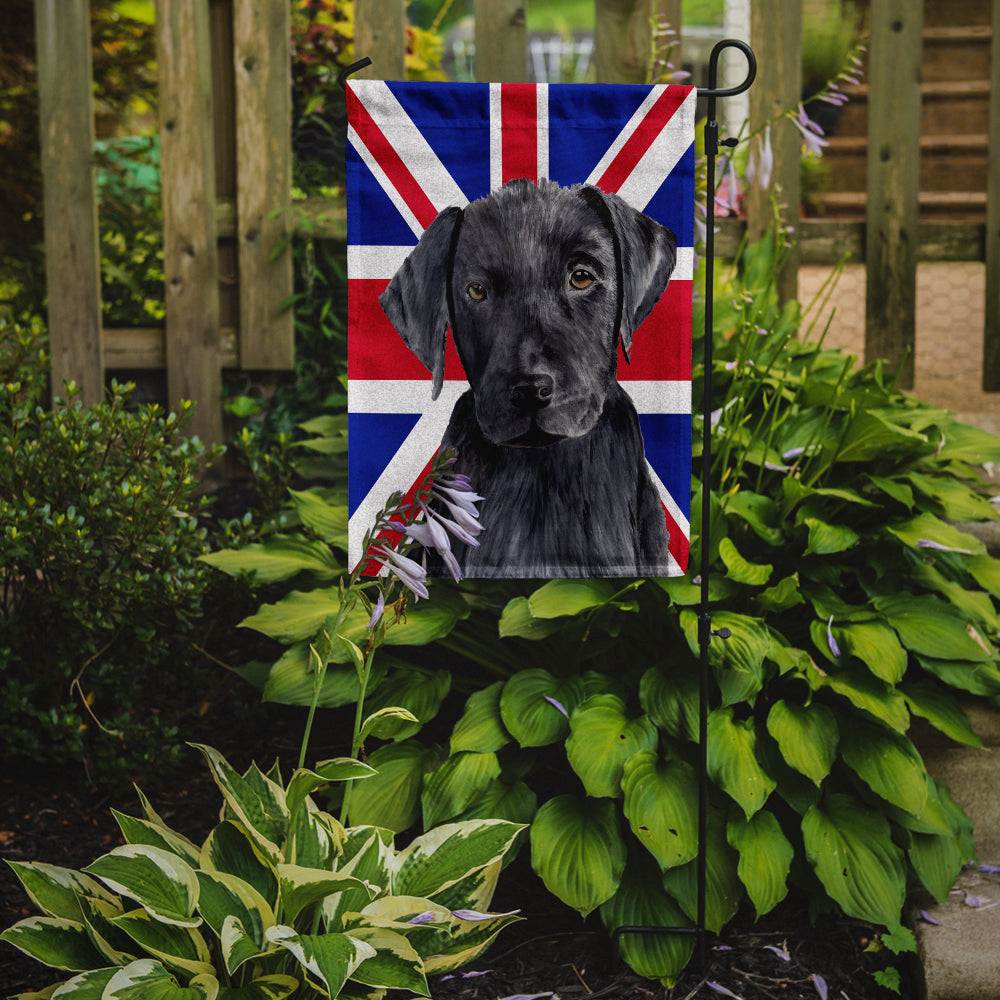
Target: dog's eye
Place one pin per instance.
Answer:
(476, 292)
(581, 279)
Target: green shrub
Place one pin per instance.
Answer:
(99, 542)
(280, 899)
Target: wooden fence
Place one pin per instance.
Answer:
(226, 161)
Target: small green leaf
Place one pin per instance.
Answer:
(559, 598)
(535, 706)
(739, 569)
(328, 521)
(828, 539)
(807, 736)
(383, 723)
(518, 621)
(481, 727)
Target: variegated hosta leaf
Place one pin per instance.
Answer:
(807, 736)
(441, 857)
(225, 897)
(467, 940)
(86, 986)
(535, 706)
(765, 858)
(732, 760)
(54, 941)
(230, 849)
(56, 891)
(367, 853)
(602, 737)
(116, 946)
(456, 784)
(141, 831)
(177, 947)
(147, 979)
(642, 902)
(661, 799)
(395, 964)
(300, 887)
(315, 838)
(304, 782)
(578, 851)
(850, 847)
(274, 987)
(256, 801)
(329, 959)
(158, 880)
(481, 727)
(476, 890)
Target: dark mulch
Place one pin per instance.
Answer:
(551, 951)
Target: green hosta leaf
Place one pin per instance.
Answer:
(723, 889)
(578, 851)
(866, 692)
(850, 847)
(180, 948)
(418, 691)
(957, 501)
(893, 488)
(147, 979)
(481, 728)
(391, 798)
(783, 595)
(976, 678)
(330, 959)
(301, 887)
(395, 964)
(260, 809)
(517, 620)
(292, 680)
(758, 511)
(528, 710)
(275, 987)
(807, 736)
(661, 799)
(732, 760)
(159, 881)
(559, 598)
(671, 700)
(738, 569)
(456, 784)
(976, 605)
(765, 858)
(941, 709)
(928, 528)
(888, 763)
(225, 897)
(965, 443)
(602, 738)
(876, 646)
(54, 941)
(441, 857)
(641, 901)
(141, 831)
(869, 436)
(827, 539)
(279, 558)
(937, 859)
(986, 572)
(230, 849)
(738, 661)
(516, 803)
(56, 891)
(931, 628)
(327, 520)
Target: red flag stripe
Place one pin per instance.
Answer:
(390, 161)
(679, 544)
(519, 125)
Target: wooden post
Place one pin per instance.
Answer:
(776, 35)
(72, 255)
(190, 254)
(991, 333)
(501, 41)
(622, 40)
(893, 183)
(262, 60)
(380, 34)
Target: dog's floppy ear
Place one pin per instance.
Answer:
(417, 299)
(645, 254)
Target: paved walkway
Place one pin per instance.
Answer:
(949, 349)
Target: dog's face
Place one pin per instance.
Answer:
(539, 284)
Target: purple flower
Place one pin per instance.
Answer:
(927, 543)
(811, 132)
(552, 701)
(475, 915)
(377, 611)
(834, 648)
(427, 917)
(780, 952)
(719, 988)
(820, 983)
(411, 574)
(761, 163)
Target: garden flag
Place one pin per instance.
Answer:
(520, 262)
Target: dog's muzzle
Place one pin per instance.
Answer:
(532, 392)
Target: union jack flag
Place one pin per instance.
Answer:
(417, 148)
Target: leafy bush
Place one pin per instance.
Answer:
(279, 899)
(99, 539)
(854, 601)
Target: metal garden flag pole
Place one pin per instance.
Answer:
(520, 270)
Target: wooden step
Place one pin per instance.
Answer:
(958, 206)
(956, 53)
(945, 104)
(939, 13)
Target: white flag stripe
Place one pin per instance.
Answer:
(664, 153)
(384, 261)
(542, 135)
(626, 133)
(409, 142)
(372, 164)
(668, 501)
(401, 472)
(496, 138)
(659, 397)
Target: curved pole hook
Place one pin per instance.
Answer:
(352, 68)
(712, 90)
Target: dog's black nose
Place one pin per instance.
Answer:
(531, 392)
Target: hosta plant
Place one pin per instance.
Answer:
(279, 900)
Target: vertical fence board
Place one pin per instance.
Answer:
(190, 254)
(72, 256)
(262, 60)
(893, 183)
(501, 41)
(380, 34)
(991, 333)
(776, 34)
(621, 40)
